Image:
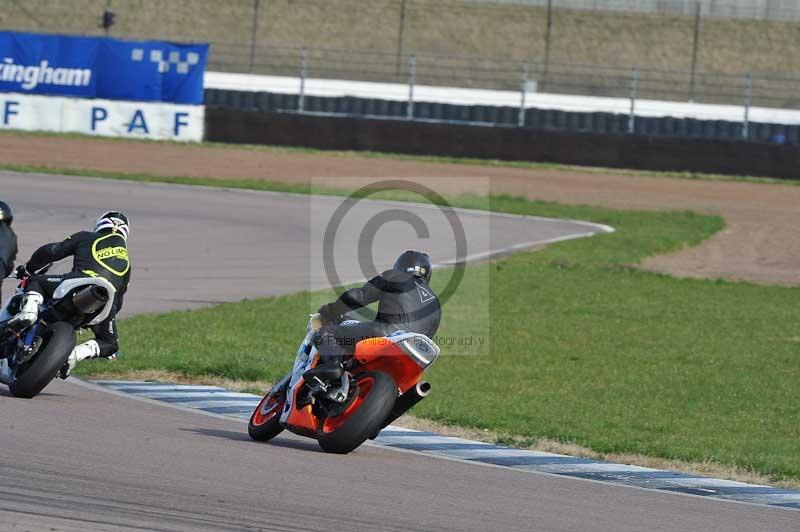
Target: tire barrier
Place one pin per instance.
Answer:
(635, 151)
(589, 122)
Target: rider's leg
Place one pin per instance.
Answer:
(331, 354)
(351, 333)
(107, 335)
(328, 344)
(335, 342)
(29, 312)
(89, 349)
(104, 345)
(38, 288)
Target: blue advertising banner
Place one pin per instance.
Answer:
(100, 67)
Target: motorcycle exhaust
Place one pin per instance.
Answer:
(90, 299)
(405, 402)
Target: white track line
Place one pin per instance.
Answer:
(193, 395)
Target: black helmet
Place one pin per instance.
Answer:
(6, 214)
(415, 263)
(113, 221)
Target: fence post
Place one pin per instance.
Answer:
(748, 93)
(303, 73)
(254, 34)
(400, 33)
(632, 116)
(412, 80)
(695, 46)
(547, 38)
(523, 94)
(107, 20)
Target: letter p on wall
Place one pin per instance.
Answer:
(98, 115)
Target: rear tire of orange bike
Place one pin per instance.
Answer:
(265, 421)
(364, 417)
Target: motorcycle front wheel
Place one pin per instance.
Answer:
(265, 421)
(58, 340)
(363, 417)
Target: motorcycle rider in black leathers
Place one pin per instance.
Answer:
(8, 244)
(102, 252)
(405, 303)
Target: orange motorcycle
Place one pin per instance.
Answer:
(381, 381)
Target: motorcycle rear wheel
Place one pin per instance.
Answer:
(58, 342)
(364, 417)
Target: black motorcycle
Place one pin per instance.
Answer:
(32, 356)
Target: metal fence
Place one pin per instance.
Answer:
(498, 74)
(468, 43)
(638, 87)
(778, 10)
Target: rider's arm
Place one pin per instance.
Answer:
(356, 298)
(51, 253)
(8, 249)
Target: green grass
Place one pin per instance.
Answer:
(582, 347)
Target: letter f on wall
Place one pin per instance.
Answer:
(9, 110)
(176, 130)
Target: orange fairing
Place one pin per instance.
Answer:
(382, 354)
(301, 420)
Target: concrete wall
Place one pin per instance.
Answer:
(506, 143)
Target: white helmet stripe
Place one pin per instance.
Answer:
(109, 221)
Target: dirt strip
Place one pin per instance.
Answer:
(761, 242)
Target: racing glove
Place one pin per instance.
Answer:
(22, 272)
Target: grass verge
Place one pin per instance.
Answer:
(584, 349)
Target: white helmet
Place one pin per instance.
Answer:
(114, 221)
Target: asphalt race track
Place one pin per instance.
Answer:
(193, 246)
(80, 458)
